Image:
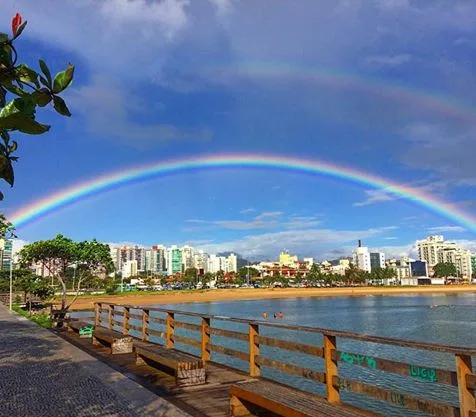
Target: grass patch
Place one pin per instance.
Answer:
(43, 319)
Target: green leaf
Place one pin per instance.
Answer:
(20, 29)
(14, 89)
(24, 105)
(60, 106)
(23, 123)
(46, 72)
(13, 147)
(6, 55)
(3, 94)
(44, 81)
(26, 74)
(6, 170)
(63, 79)
(42, 97)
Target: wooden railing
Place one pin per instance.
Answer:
(116, 316)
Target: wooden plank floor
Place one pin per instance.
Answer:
(208, 400)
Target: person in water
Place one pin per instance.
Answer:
(265, 315)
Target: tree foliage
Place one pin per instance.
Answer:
(444, 270)
(60, 253)
(22, 91)
(190, 274)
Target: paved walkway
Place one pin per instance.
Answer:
(43, 375)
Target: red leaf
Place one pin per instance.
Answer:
(16, 22)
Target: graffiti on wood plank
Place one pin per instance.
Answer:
(362, 360)
(427, 374)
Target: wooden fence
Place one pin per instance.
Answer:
(115, 316)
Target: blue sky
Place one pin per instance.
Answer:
(159, 80)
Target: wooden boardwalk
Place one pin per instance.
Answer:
(227, 387)
(209, 400)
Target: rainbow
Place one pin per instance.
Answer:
(333, 78)
(79, 192)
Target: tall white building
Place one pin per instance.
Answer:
(232, 263)
(159, 259)
(362, 258)
(459, 257)
(435, 249)
(129, 269)
(187, 257)
(428, 249)
(200, 261)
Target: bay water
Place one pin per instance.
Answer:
(438, 318)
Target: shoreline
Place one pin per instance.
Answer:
(237, 294)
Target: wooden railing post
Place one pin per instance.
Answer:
(205, 339)
(253, 331)
(467, 402)
(145, 325)
(97, 312)
(110, 316)
(125, 320)
(331, 369)
(170, 326)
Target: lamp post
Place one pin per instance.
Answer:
(11, 281)
(74, 276)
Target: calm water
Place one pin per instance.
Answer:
(445, 319)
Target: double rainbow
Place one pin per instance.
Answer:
(79, 192)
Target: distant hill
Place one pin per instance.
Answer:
(241, 262)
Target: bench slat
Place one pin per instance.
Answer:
(187, 369)
(286, 401)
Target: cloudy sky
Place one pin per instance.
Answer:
(383, 86)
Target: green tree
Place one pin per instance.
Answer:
(315, 274)
(22, 91)
(190, 275)
(220, 277)
(206, 278)
(58, 254)
(32, 285)
(444, 270)
(6, 228)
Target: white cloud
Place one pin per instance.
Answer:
(169, 16)
(265, 220)
(375, 196)
(223, 7)
(109, 112)
(314, 242)
(247, 210)
(442, 229)
(468, 244)
(388, 61)
(434, 187)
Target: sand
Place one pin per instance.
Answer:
(86, 303)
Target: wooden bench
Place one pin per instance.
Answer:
(117, 342)
(187, 369)
(250, 397)
(79, 327)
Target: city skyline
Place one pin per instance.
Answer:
(207, 78)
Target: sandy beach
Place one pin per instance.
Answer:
(85, 303)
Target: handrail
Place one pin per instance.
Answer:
(109, 315)
(309, 329)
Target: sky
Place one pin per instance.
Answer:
(382, 86)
